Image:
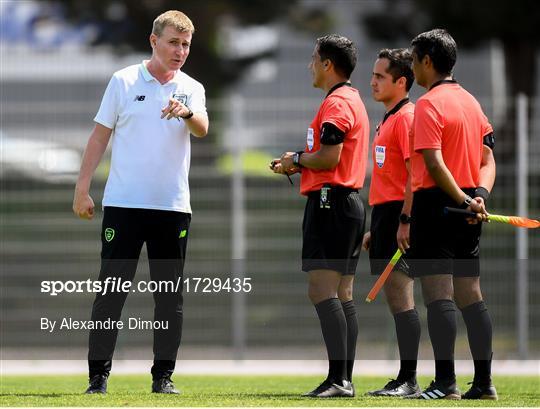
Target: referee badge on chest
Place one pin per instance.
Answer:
(380, 155)
(309, 138)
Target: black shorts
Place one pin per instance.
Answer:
(442, 244)
(332, 237)
(125, 230)
(384, 226)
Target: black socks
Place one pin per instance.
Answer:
(479, 332)
(441, 317)
(408, 337)
(334, 330)
(349, 310)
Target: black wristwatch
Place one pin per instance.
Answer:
(466, 202)
(189, 115)
(296, 158)
(405, 218)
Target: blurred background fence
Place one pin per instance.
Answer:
(246, 220)
(42, 240)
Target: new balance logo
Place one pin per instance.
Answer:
(139, 98)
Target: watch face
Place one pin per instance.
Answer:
(403, 218)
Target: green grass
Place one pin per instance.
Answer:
(134, 390)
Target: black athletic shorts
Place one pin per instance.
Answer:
(442, 244)
(332, 237)
(384, 226)
(125, 230)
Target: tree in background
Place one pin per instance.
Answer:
(472, 23)
(126, 25)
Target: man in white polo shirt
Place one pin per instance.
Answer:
(151, 109)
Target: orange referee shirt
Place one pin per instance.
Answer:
(390, 150)
(448, 118)
(344, 109)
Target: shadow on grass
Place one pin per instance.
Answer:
(37, 395)
(288, 396)
(262, 395)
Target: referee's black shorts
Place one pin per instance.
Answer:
(442, 244)
(383, 245)
(332, 237)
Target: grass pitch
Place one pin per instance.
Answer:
(268, 391)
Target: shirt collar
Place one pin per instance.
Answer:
(395, 109)
(145, 73)
(436, 84)
(339, 85)
(149, 77)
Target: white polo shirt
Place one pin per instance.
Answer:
(150, 156)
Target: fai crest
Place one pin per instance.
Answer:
(109, 234)
(180, 97)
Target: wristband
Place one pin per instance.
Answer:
(482, 192)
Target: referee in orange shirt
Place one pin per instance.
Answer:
(333, 168)
(452, 165)
(391, 198)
